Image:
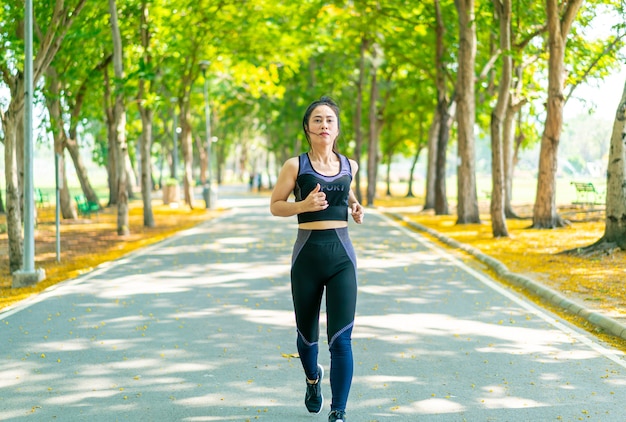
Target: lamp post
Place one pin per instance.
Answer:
(207, 192)
(28, 275)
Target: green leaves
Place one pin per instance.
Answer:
(270, 58)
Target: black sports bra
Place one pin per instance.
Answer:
(336, 187)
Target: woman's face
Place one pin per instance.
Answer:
(323, 125)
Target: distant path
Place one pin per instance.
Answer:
(200, 328)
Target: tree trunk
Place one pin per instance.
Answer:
(467, 206)
(544, 212)
(372, 149)
(388, 176)
(111, 164)
(71, 144)
(19, 154)
(202, 153)
(416, 157)
(358, 116)
(119, 113)
(418, 149)
(615, 220)
(270, 186)
(218, 149)
(131, 175)
(81, 170)
(187, 150)
(53, 103)
(508, 137)
(146, 166)
(146, 113)
(441, 199)
(14, 210)
(498, 220)
(615, 230)
(431, 164)
(516, 102)
(436, 176)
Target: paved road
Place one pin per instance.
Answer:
(200, 328)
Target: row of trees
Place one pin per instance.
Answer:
(411, 76)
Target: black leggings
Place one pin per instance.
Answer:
(325, 259)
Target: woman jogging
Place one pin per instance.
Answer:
(323, 256)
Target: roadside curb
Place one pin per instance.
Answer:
(607, 324)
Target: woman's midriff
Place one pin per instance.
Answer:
(323, 225)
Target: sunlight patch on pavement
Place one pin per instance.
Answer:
(195, 314)
(415, 353)
(373, 403)
(240, 271)
(70, 345)
(617, 382)
(413, 300)
(15, 414)
(238, 240)
(198, 248)
(212, 418)
(386, 290)
(179, 368)
(154, 383)
(513, 339)
(201, 401)
(128, 321)
(11, 377)
(177, 281)
(89, 392)
(232, 398)
(559, 355)
(546, 376)
(140, 284)
(124, 364)
(431, 406)
(266, 317)
(252, 268)
(374, 380)
(117, 344)
(394, 260)
(506, 402)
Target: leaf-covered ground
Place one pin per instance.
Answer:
(596, 281)
(86, 243)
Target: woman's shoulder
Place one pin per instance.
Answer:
(353, 165)
(292, 161)
(292, 164)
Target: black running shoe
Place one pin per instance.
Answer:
(337, 416)
(313, 399)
